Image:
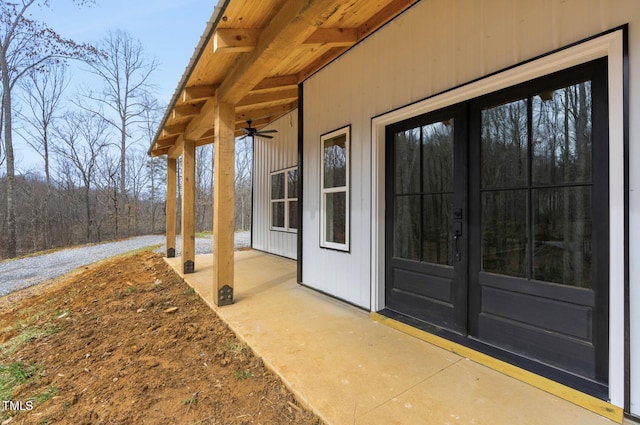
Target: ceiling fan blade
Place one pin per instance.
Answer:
(246, 130)
(268, 131)
(265, 136)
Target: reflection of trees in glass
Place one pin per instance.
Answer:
(562, 162)
(546, 233)
(504, 159)
(335, 162)
(334, 188)
(423, 193)
(504, 145)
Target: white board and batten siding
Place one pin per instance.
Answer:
(434, 47)
(271, 155)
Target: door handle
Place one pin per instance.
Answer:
(457, 233)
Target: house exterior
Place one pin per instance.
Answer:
(467, 168)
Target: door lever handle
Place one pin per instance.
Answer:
(457, 233)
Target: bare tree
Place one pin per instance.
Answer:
(82, 139)
(125, 72)
(156, 167)
(42, 93)
(242, 183)
(25, 45)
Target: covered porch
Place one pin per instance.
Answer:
(349, 368)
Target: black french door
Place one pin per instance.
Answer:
(426, 259)
(497, 224)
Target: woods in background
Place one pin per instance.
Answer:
(93, 180)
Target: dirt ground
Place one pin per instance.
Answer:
(126, 341)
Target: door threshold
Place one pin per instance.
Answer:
(572, 395)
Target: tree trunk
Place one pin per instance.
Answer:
(8, 148)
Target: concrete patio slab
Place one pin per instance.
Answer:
(350, 369)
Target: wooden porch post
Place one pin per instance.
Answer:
(188, 206)
(223, 204)
(170, 208)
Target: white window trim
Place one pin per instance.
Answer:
(609, 45)
(323, 230)
(286, 201)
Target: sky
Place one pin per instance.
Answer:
(168, 30)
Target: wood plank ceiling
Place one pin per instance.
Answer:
(253, 55)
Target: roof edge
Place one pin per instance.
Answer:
(212, 24)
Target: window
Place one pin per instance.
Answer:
(537, 186)
(335, 190)
(284, 200)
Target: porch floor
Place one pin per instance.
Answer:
(350, 369)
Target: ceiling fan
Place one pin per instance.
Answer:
(252, 132)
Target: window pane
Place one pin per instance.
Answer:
(562, 229)
(504, 232)
(504, 146)
(407, 161)
(437, 157)
(336, 220)
(277, 214)
(277, 186)
(406, 227)
(292, 181)
(335, 161)
(437, 238)
(293, 214)
(562, 135)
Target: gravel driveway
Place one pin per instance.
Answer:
(25, 272)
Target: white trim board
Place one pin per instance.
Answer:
(609, 45)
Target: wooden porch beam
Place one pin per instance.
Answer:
(281, 82)
(291, 25)
(176, 150)
(235, 40)
(223, 204)
(201, 124)
(174, 129)
(186, 110)
(194, 93)
(269, 97)
(170, 208)
(334, 36)
(188, 206)
(166, 141)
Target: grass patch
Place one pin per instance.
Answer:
(237, 349)
(189, 401)
(26, 335)
(14, 374)
(243, 374)
(189, 291)
(47, 395)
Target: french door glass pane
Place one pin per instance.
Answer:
(407, 161)
(437, 218)
(437, 157)
(505, 145)
(504, 232)
(336, 219)
(406, 227)
(562, 241)
(562, 135)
